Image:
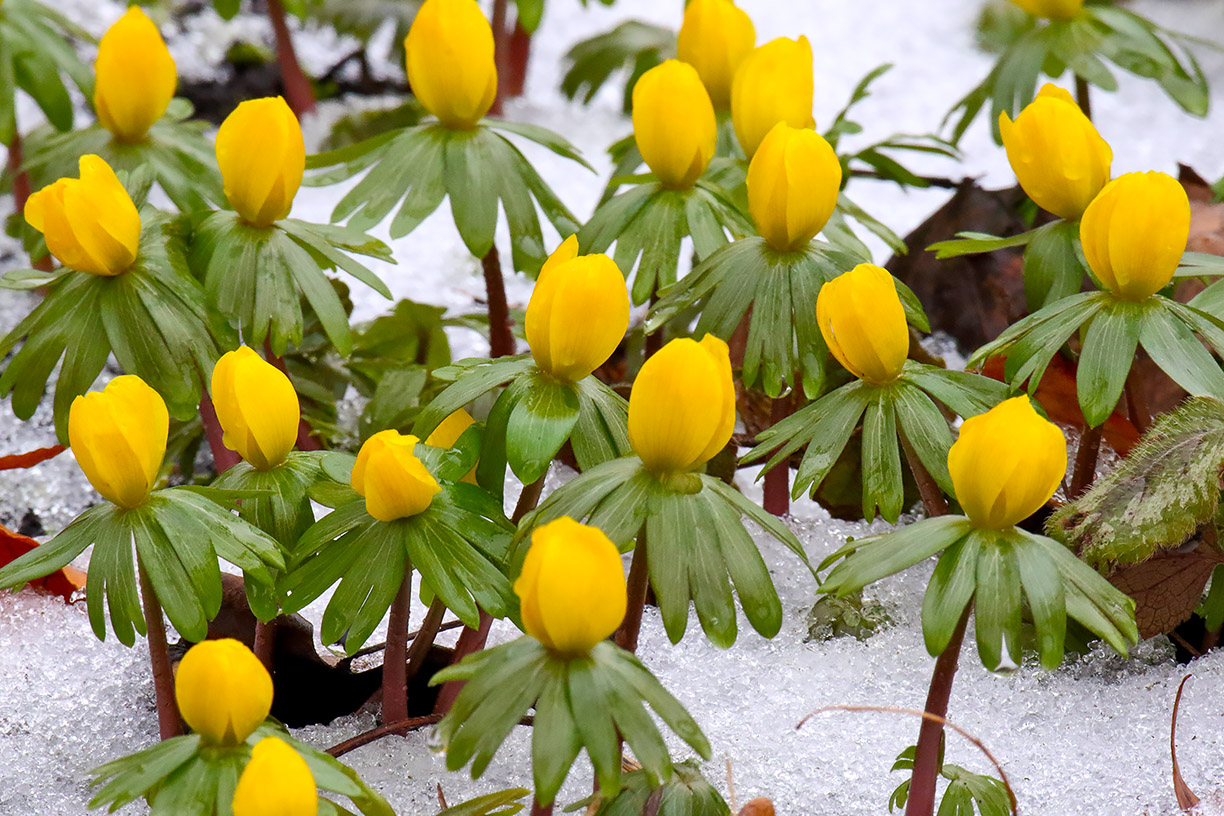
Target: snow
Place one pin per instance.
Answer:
(1090, 738)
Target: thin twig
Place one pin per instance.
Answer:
(400, 727)
(942, 721)
(378, 647)
(425, 641)
(1186, 799)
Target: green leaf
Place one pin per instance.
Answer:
(948, 593)
(974, 243)
(1175, 349)
(1106, 359)
(632, 46)
(1047, 604)
(1053, 264)
(926, 429)
(997, 600)
(539, 425)
(880, 556)
(882, 485)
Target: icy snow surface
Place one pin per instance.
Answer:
(1090, 738)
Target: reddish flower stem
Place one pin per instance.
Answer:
(169, 723)
(777, 481)
(298, 92)
(395, 657)
(501, 338)
(626, 636)
(223, 457)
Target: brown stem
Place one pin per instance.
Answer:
(932, 496)
(298, 92)
(1082, 95)
(395, 657)
(541, 810)
(501, 339)
(1085, 461)
(926, 757)
(518, 53)
(223, 457)
(501, 34)
(21, 192)
(305, 437)
(169, 722)
(473, 640)
(397, 727)
(626, 636)
(1136, 403)
(265, 643)
(424, 640)
(777, 481)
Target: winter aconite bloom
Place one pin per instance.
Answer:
(1006, 464)
(1134, 233)
(257, 407)
(572, 588)
(793, 182)
(578, 313)
(674, 124)
(276, 782)
(224, 693)
(1059, 158)
(118, 436)
(392, 479)
(90, 223)
(135, 77)
(1053, 9)
(262, 158)
(863, 323)
(714, 39)
(450, 61)
(773, 84)
(682, 406)
(448, 432)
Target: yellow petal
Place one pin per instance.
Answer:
(448, 432)
(262, 158)
(678, 408)
(673, 123)
(224, 693)
(572, 588)
(276, 782)
(587, 308)
(450, 61)
(773, 84)
(1052, 9)
(135, 77)
(257, 407)
(118, 436)
(392, 479)
(90, 223)
(714, 39)
(1006, 464)
(793, 183)
(863, 323)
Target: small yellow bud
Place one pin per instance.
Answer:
(276, 782)
(393, 480)
(682, 406)
(1006, 464)
(1059, 158)
(1134, 233)
(135, 77)
(793, 182)
(262, 158)
(578, 313)
(863, 323)
(572, 588)
(224, 693)
(448, 432)
(90, 223)
(714, 39)
(674, 124)
(1053, 9)
(257, 407)
(773, 84)
(118, 436)
(450, 61)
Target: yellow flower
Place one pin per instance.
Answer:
(394, 482)
(1006, 464)
(578, 313)
(674, 124)
(714, 39)
(118, 436)
(1134, 233)
(224, 693)
(262, 158)
(450, 61)
(863, 323)
(1059, 158)
(773, 84)
(257, 407)
(90, 223)
(793, 182)
(682, 406)
(276, 782)
(448, 432)
(1053, 9)
(572, 588)
(135, 77)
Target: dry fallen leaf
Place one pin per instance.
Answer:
(64, 582)
(1186, 800)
